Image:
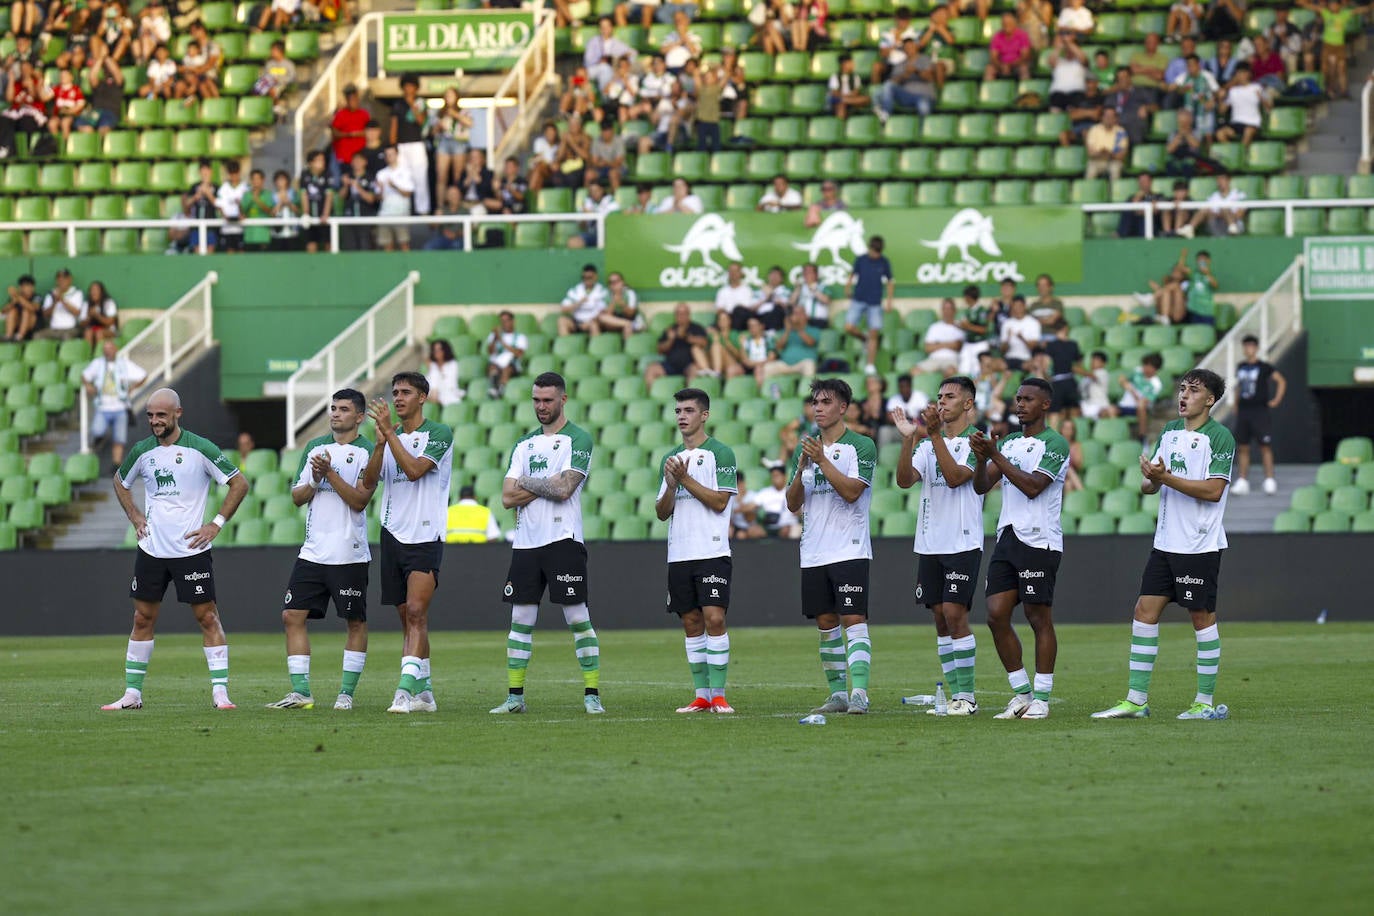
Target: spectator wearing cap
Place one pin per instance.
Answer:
(470, 522)
(348, 130)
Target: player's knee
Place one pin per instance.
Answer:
(208, 618)
(714, 620)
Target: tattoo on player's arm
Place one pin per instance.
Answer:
(557, 488)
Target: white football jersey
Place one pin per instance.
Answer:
(335, 534)
(694, 531)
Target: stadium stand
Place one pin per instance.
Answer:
(1339, 500)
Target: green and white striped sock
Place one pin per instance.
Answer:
(136, 659)
(833, 659)
(1208, 660)
(520, 645)
(298, 666)
(965, 649)
(1019, 681)
(1144, 651)
(585, 645)
(422, 683)
(696, 663)
(410, 675)
(859, 655)
(1044, 683)
(352, 670)
(718, 662)
(217, 659)
(944, 647)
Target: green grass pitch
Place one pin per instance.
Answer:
(182, 809)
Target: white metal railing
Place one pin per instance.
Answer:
(532, 73)
(1275, 318)
(1289, 207)
(163, 348)
(348, 65)
(353, 355)
(1367, 126)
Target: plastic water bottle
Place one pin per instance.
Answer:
(1321, 618)
(941, 706)
(813, 719)
(919, 699)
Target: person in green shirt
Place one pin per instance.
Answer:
(257, 204)
(1201, 285)
(1140, 390)
(1147, 67)
(1336, 20)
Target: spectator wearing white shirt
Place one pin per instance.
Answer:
(908, 400)
(1020, 333)
(597, 201)
(604, 51)
(505, 348)
(397, 186)
(681, 200)
(942, 342)
(844, 91)
(1093, 388)
(780, 196)
(229, 203)
(890, 52)
(1068, 73)
(681, 45)
(1225, 214)
(736, 297)
(1245, 104)
(582, 304)
(442, 373)
(161, 72)
(109, 380)
(1076, 19)
(812, 297)
(64, 309)
(770, 507)
(771, 301)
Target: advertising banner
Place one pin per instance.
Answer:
(444, 42)
(1338, 267)
(929, 247)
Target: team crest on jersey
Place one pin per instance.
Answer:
(556, 443)
(835, 457)
(414, 443)
(287, 599)
(700, 459)
(918, 593)
(510, 589)
(1194, 445)
(178, 457)
(133, 586)
(348, 460)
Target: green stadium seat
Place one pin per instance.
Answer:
(901, 130)
(791, 67)
(1286, 122)
(1136, 523)
(1355, 450)
(53, 491)
(1101, 478)
(260, 45)
(47, 243)
(938, 130)
(68, 209)
(953, 162)
(82, 145)
(934, 194)
(712, 197)
(802, 165)
(1332, 475)
(1283, 187)
(1088, 191)
(1309, 222)
(652, 168)
(1120, 503)
(217, 17)
(143, 113)
(193, 143)
(27, 514)
(1068, 161)
(1097, 524)
(915, 162)
(1264, 222)
(823, 131)
(231, 45)
(972, 193)
(1113, 429)
(239, 79)
(877, 163)
(93, 177)
(862, 130)
(1049, 125)
(1309, 500)
(837, 162)
(724, 166)
(786, 131)
(957, 96)
(9, 536)
(1349, 499)
(1265, 156)
(1345, 221)
(1364, 475)
(974, 129)
(302, 45)
(896, 194)
(762, 165)
(1147, 157)
(992, 161)
(180, 114)
(1360, 186)
(997, 95)
(1014, 128)
(216, 112)
(1047, 191)
(531, 235)
(1362, 523)
(769, 100)
(230, 143)
(120, 241)
(253, 111)
(1331, 522)
(1030, 161)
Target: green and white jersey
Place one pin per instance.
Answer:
(949, 519)
(1188, 525)
(1149, 387)
(694, 531)
(1036, 522)
(335, 535)
(834, 530)
(176, 484)
(537, 455)
(416, 511)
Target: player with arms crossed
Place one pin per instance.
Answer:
(177, 467)
(334, 559)
(699, 477)
(544, 486)
(1190, 471)
(416, 463)
(949, 527)
(831, 481)
(1030, 542)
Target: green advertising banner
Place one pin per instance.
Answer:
(457, 40)
(1338, 267)
(928, 247)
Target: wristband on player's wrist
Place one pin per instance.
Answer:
(219, 522)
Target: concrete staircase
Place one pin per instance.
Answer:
(1255, 511)
(1332, 147)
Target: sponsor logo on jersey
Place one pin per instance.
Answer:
(847, 587)
(163, 478)
(565, 577)
(1176, 464)
(583, 453)
(195, 576)
(539, 463)
(1188, 580)
(200, 590)
(701, 459)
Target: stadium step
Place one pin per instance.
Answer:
(1257, 510)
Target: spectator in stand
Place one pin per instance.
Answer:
(1140, 390)
(780, 196)
(774, 30)
(622, 307)
(1093, 387)
(199, 203)
(348, 130)
(891, 43)
(1184, 147)
(644, 200)
(908, 400)
(810, 27)
(864, 290)
(229, 206)
(447, 236)
(69, 104)
(683, 346)
(653, 10)
(771, 301)
(574, 151)
(708, 110)
(982, 324)
(451, 142)
(1167, 295)
(244, 446)
(734, 93)
(872, 411)
(654, 86)
(1084, 114)
(608, 158)
(373, 148)
(680, 200)
(105, 104)
(278, 15)
(161, 72)
(64, 309)
(442, 373)
(914, 84)
(408, 119)
(1259, 388)
(1036, 17)
(1076, 19)
(1202, 285)
(942, 342)
(1169, 96)
(1267, 68)
(597, 201)
(1172, 216)
(1225, 215)
(845, 89)
(1244, 104)
(397, 187)
(543, 156)
(770, 507)
(1197, 91)
(582, 304)
(214, 60)
(286, 204)
(1291, 42)
(795, 351)
(1047, 308)
(1184, 22)
(1147, 69)
(989, 387)
(1132, 222)
(510, 187)
(1068, 73)
(1020, 334)
(681, 44)
(1010, 52)
(1223, 65)
(362, 196)
(744, 524)
(195, 79)
(580, 97)
(1223, 19)
(277, 77)
(620, 94)
(505, 347)
(1133, 106)
(154, 28)
(733, 354)
(1066, 365)
(1073, 476)
(937, 42)
(109, 380)
(26, 18)
(22, 309)
(829, 203)
(317, 192)
(476, 193)
(114, 33)
(736, 298)
(604, 52)
(1002, 304)
(1108, 145)
(812, 297)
